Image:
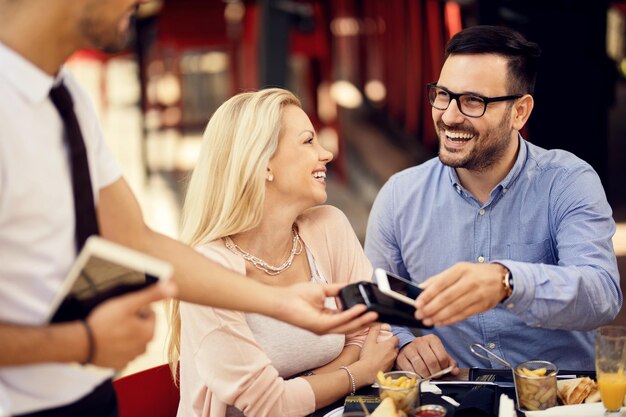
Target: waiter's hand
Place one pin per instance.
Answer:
(303, 305)
(425, 355)
(459, 292)
(123, 326)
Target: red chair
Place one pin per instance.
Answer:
(149, 393)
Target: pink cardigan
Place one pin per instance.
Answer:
(221, 363)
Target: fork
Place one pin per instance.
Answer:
(483, 378)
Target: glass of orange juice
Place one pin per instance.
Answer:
(611, 366)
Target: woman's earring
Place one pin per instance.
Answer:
(270, 177)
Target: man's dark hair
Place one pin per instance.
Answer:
(522, 55)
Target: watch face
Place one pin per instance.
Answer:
(507, 283)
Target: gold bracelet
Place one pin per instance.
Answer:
(352, 381)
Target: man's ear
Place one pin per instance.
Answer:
(521, 111)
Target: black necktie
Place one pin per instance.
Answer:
(84, 208)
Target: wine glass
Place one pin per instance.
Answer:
(610, 366)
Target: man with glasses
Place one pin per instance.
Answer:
(56, 170)
(511, 242)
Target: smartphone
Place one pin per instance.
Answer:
(389, 309)
(396, 287)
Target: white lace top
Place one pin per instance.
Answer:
(291, 349)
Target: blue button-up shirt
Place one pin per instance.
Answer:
(548, 221)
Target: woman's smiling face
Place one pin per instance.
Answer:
(299, 164)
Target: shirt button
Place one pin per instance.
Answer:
(491, 345)
(504, 190)
(458, 188)
(481, 259)
(481, 212)
(510, 305)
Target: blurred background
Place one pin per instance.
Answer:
(360, 68)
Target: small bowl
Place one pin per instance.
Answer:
(430, 410)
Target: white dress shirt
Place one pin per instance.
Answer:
(37, 220)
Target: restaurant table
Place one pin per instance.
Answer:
(485, 398)
(455, 391)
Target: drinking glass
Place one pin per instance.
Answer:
(610, 363)
(406, 398)
(535, 390)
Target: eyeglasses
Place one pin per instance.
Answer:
(471, 105)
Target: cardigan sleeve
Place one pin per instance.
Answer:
(336, 248)
(234, 367)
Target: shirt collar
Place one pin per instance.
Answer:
(510, 177)
(29, 80)
(519, 163)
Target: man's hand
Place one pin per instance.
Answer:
(459, 292)
(123, 326)
(425, 355)
(303, 305)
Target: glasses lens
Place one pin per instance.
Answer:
(439, 98)
(471, 105)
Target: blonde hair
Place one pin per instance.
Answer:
(226, 191)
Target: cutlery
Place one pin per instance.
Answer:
(498, 383)
(483, 378)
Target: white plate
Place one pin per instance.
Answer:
(337, 412)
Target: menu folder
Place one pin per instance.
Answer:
(357, 402)
(103, 270)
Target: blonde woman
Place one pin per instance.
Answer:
(252, 205)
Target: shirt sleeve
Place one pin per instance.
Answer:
(343, 259)
(582, 291)
(382, 248)
(349, 261)
(235, 368)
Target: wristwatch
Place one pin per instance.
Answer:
(507, 283)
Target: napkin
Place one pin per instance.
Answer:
(578, 410)
(428, 387)
(507, 407)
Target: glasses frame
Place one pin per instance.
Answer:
(455, 96)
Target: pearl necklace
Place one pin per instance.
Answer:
(296, 249)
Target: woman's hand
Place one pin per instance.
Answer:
(376, 356)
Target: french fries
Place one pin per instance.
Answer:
(403, 391)
(389, 382)
(536, 388)
(535, 373)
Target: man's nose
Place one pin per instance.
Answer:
(452, 115)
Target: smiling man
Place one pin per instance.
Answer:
(511, 242)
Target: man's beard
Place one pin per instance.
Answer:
(107, 40)
(488, 149)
